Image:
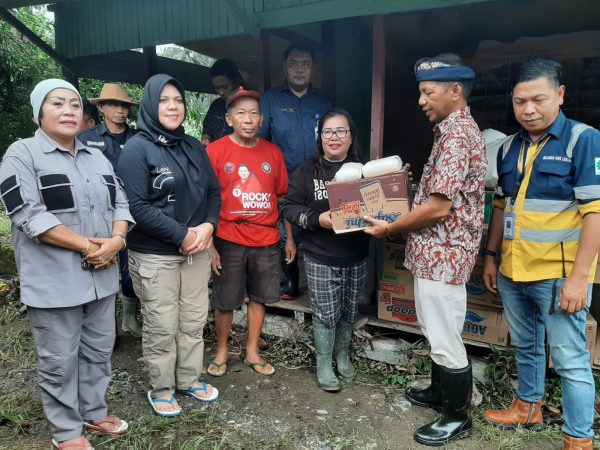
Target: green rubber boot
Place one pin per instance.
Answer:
(130, 322)
(324, 339)
(343, 338)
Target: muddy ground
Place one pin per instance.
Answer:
(284, 411)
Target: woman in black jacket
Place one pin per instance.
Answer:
(336, 265)
(175, 196)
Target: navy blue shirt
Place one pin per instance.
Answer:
(99, 137)
(290, 122)
(214, 124)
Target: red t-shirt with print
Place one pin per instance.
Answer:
(251, 179)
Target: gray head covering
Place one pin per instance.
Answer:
(41, 90)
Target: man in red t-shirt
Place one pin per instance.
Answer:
(245, 254)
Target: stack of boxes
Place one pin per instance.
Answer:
(484, 322)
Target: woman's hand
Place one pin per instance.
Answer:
(103, 251)
(202, 240)
(325, 220)
(215, 260)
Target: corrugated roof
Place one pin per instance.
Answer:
(85, 28)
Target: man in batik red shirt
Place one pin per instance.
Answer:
(444, 226)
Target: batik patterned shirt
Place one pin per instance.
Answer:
(447, 249)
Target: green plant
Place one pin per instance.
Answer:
(498, 391)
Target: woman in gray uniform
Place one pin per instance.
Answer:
(69, 220)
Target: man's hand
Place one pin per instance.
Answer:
(490, 274)
(325, 220)
(573, 294)
(290, 250)
(215, 260)
(378, 228)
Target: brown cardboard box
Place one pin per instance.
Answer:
(393, 259)
(394, 271)
(393, 307)
(591, 329)
(481, 324)
(477, 294)
(485, 325)
(385, 198)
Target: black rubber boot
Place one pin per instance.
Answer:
(291, 272)
(324, 339)
(455, 423)
(430, 397)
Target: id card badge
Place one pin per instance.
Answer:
(509, 225)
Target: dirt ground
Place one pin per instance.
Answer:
(284, 411)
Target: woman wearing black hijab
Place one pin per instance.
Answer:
(175, 197)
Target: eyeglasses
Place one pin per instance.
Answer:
(341, 133)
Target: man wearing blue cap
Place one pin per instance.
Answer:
(444, 226)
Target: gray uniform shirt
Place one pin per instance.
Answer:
(42, 185)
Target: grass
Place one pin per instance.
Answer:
(20, 411)
(194, 429)
(549, 437)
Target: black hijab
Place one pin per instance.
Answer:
(177, 148)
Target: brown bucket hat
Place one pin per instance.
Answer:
(114, 92)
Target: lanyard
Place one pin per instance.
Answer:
(525, 164)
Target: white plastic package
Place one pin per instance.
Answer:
(383, 166)
(349, 172)
(493, 141)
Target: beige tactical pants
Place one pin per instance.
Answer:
(174, 298)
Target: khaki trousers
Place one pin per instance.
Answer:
(174, 299)
(441, 309)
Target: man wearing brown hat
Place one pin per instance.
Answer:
(109, 137)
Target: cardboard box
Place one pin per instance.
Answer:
(481, 324)
(393, 257)
(591, 343)
(384, 198)
(485, 325)
(477, 294)
(391, 306)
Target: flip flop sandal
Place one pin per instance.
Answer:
(154, 401)
(218, 366)
(191, 392)
(81, 443)
(261, 365)
(95, 426)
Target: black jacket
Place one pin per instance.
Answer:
(305, 201)
(150, 183)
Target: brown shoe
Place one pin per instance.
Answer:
(520, 413)
(571, 443)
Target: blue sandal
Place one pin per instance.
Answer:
(191, 392)
(154, 401)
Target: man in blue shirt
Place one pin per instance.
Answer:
(291, 113)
